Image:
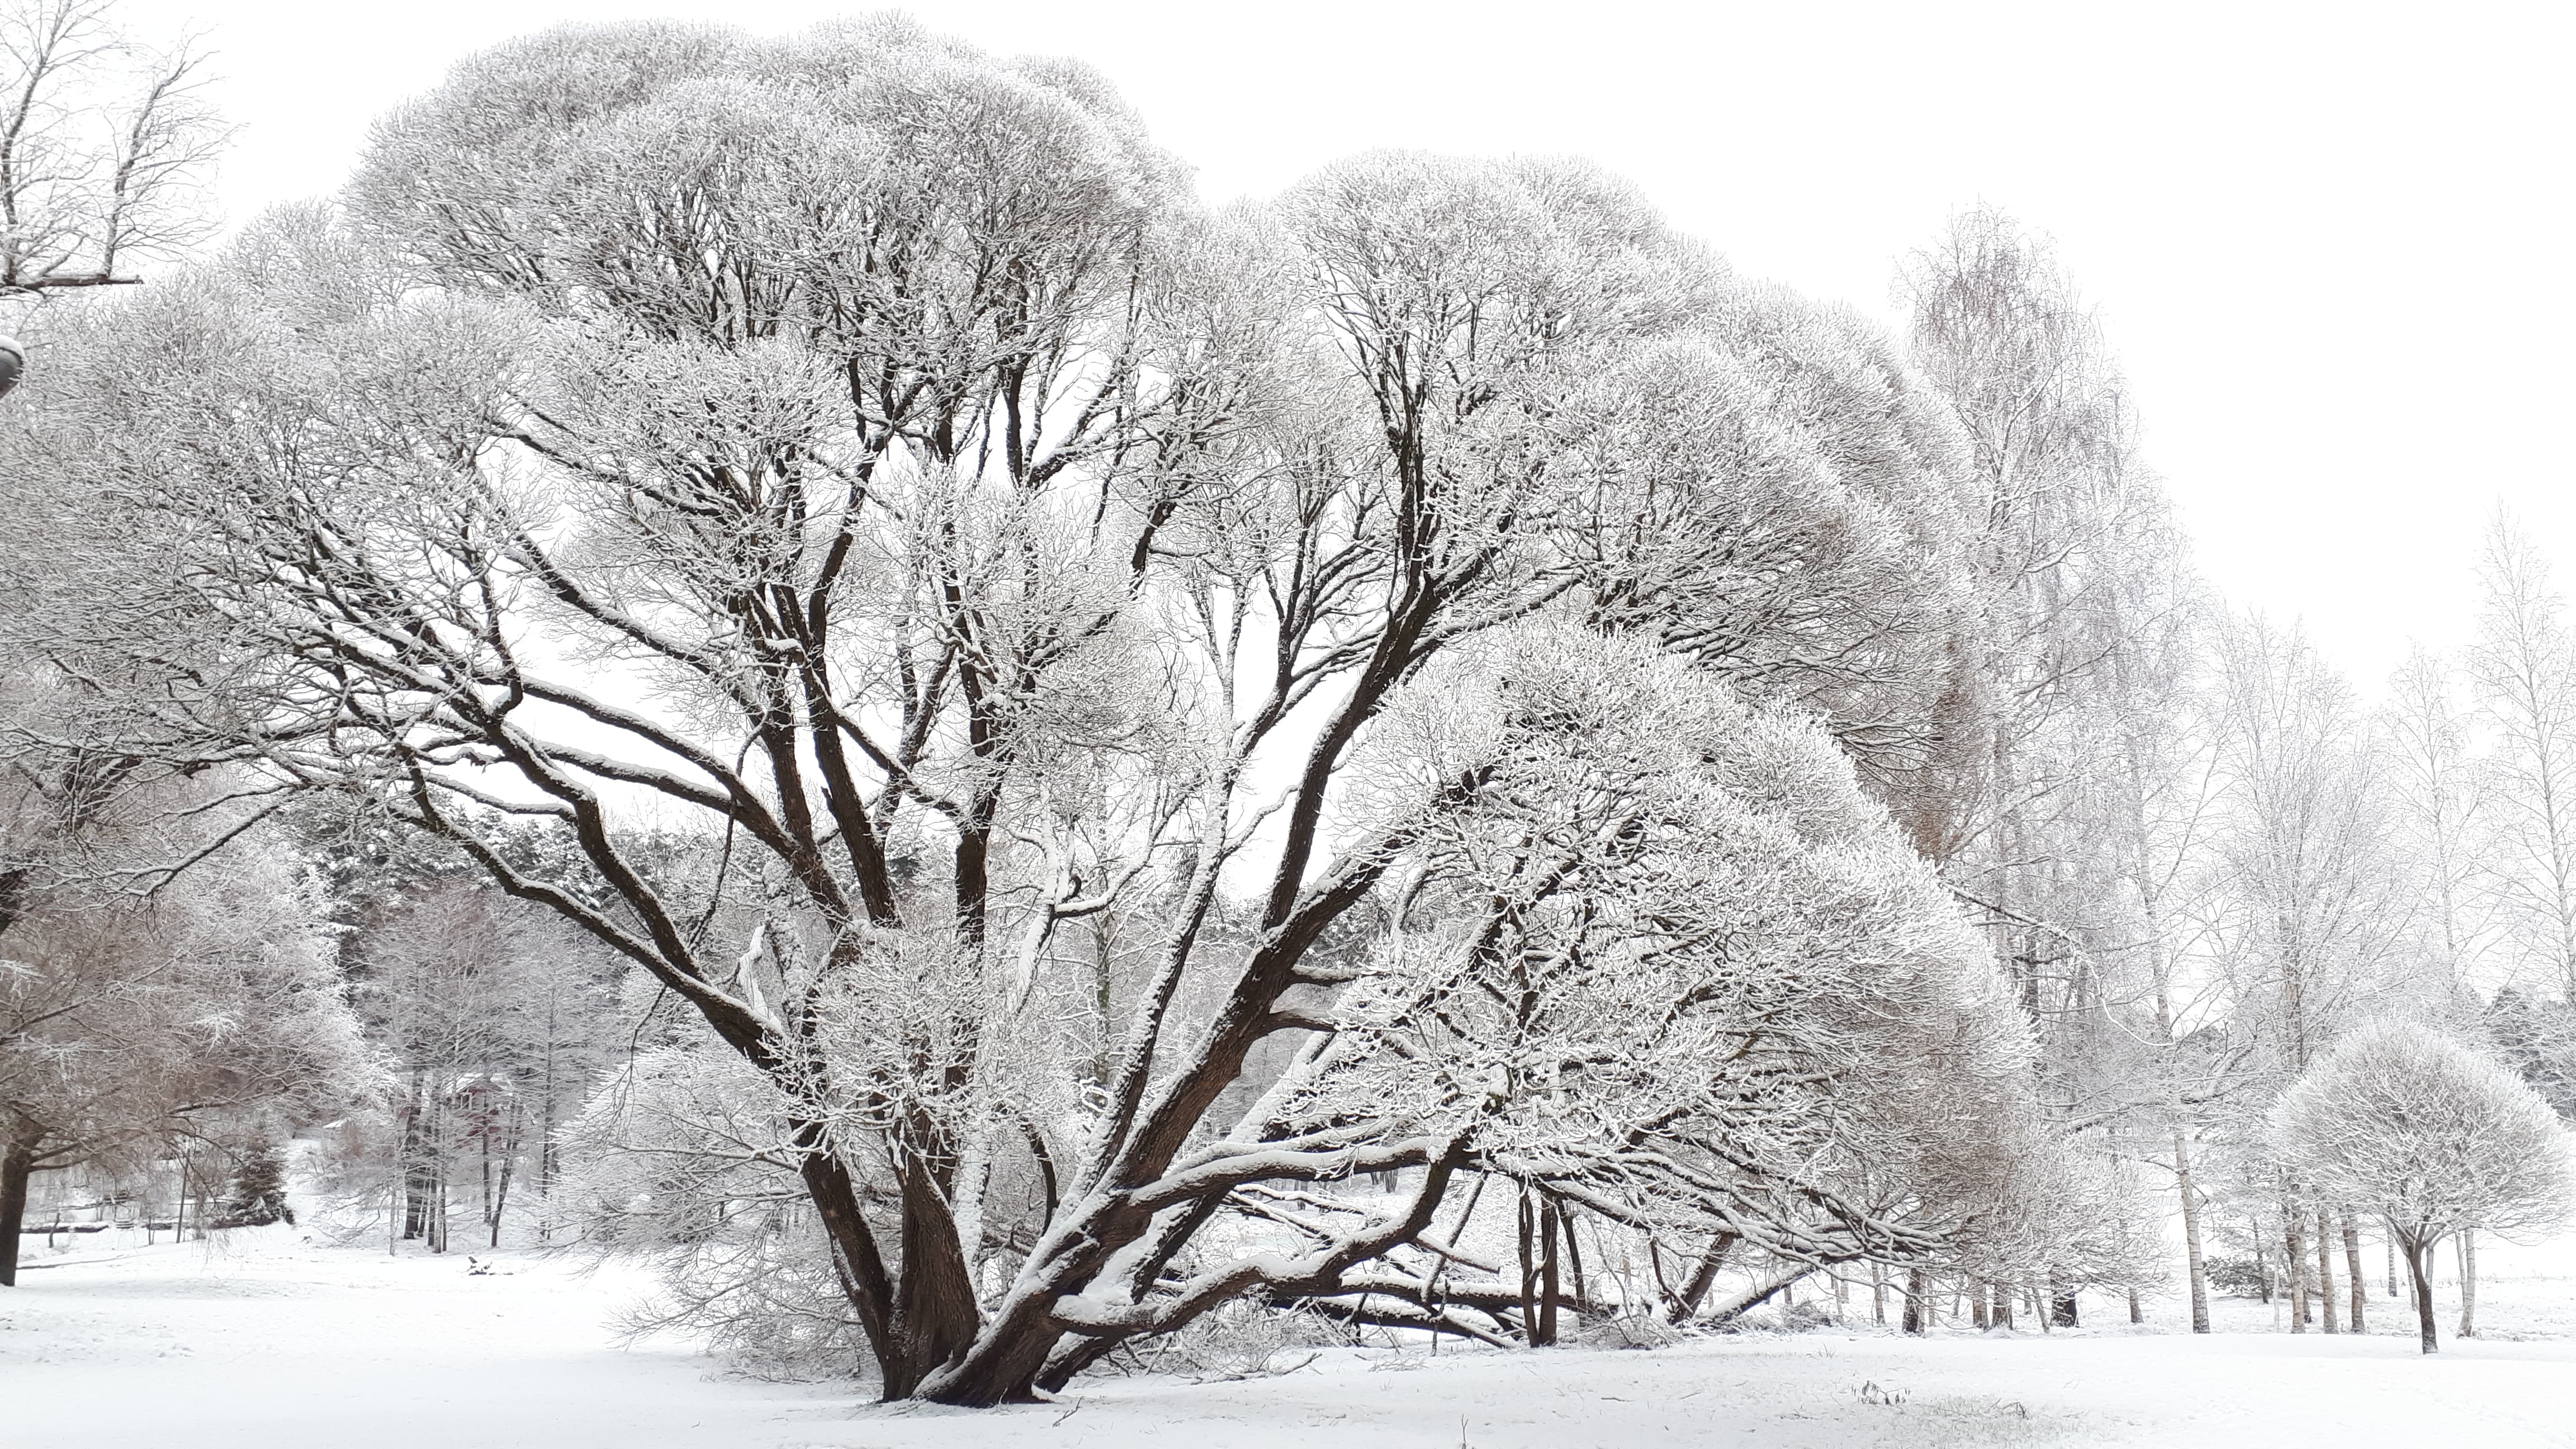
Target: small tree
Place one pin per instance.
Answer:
(2428, 1136)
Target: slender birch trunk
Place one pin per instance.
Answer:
(2294, 1252)
(2327, 1314)
(2468, 1241)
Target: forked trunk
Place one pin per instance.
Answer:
(2416, 1253)
(2352, 1267)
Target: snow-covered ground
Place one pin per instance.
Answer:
(266, 1341)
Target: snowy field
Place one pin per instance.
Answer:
(264, 1341)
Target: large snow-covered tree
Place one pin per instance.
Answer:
(1069, 623)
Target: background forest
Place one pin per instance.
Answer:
(785, 655)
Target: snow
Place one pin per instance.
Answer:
(267, 1340)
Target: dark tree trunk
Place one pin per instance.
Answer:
(2352, 1267)
(17, 1168)
(1547, 1273)
(1702, 1278)
(2415, 1265)
(2061, 1307)
(1917, 1301)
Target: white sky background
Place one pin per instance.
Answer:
(2331, 244)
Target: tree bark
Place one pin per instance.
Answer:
(17, 1168)
(2468, 1282)
(2326, 1312)
(2415, 1265)
(1547, 1274)
(1704, 1274)
(1916, 1301)
(2294, 1251)
(2352, 1265)
(2195, 1263)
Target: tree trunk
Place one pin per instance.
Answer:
(1705, 1274)
(1977, 1317)
(1917, 1301)
(2195, 1264)
(2326, 1311)
(2352, 1266)
(2004, 1305)
(2415, 1264)
(1877, 1294)
(2391, 1245)
(1573, 1252)
(17, 1168)
(2061, 1305)
(2262, 1268)
(1547, 1276)
(2294, 1252)
(2468, 1282)
(1526, 1229)
(2137, 1311)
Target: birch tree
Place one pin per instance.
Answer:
(2317, 915)
(2441, 792)
(2070, 823)
(2525, 668)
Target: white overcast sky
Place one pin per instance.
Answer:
(2330, 243)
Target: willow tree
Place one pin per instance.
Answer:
(860, 456)
(2430, 1138)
